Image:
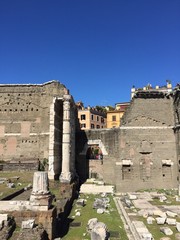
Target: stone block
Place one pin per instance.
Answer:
(166, 231)
(171, 221)
(178, 226)
(28, 224)
(171, 214)
(160, 220)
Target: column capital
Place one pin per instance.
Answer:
(67, 97)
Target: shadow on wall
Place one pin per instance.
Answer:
(82, 163)
(89, 157)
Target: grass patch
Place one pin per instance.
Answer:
(154, 229)
(25, 178)
(112, 220)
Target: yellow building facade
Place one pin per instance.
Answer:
(114, 116)
(90, 118)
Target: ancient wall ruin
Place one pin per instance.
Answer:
(177, 122)
(39, 122)
(31, 124)
(141, 153)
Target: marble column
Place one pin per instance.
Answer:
(66, 175)
(51, 172)
(40, 183)
(41, 195)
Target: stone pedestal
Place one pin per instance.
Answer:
(40, 194)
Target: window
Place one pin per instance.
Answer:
(97, 126)
(92, 125)
(97, 118)
(92, 117)
(102, 120)
(83, 125)
(83, 117)
(113, 118)
(166, 172)
(126, 172)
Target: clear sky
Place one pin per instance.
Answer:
(98, 49)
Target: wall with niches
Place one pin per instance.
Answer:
(24, 120)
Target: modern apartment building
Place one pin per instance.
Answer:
(90, 118)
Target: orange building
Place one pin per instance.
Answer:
(114, 116)
(90, 118)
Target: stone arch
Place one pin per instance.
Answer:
(94, 142)
(94, 166)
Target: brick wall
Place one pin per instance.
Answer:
(142, 152)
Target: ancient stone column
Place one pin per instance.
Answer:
(40, 193)
(51, 172)
(40, 183)
(66, 141)
(73, 129)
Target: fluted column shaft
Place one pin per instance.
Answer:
(66, 141)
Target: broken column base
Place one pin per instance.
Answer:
(41, 200)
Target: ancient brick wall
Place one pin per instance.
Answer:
(149, 112)
(177, 122)
(147, 139)
(110, 139)
(141, 153)
(25, 121)
(46, 218)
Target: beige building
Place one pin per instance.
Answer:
(90, 118)
(114, 116)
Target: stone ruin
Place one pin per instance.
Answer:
(164, 217)
(7, 226)
(143, 152)
(29, 213)
(98, 230)
(39, 123)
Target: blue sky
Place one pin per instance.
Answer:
(98, 49)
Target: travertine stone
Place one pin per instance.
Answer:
(28, 224)
(160, 220)
(166, 230)
(66, 175)
(40, 183)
